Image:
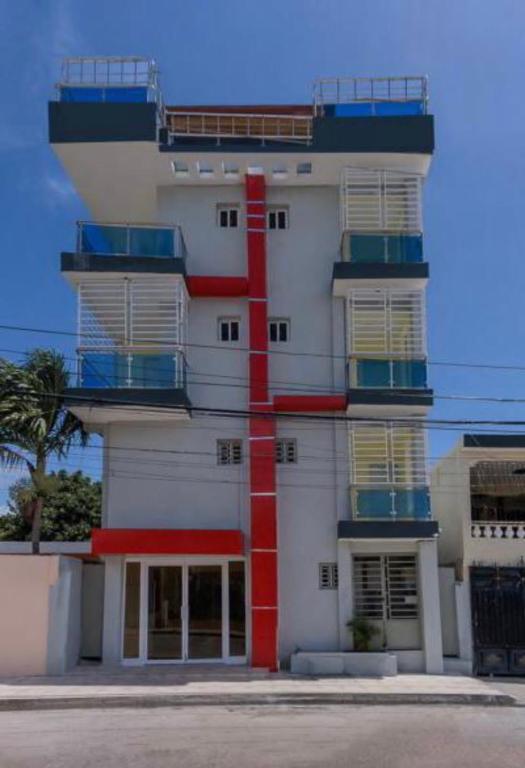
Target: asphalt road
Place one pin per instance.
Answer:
(257, 737)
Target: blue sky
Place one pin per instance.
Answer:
(251, 51)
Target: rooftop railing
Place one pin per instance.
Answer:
(109, 78)
(139, 240)
(361, 96)
(290, 128)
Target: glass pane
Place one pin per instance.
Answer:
(237, 609)
(164, 612)
(157, 371)
(130, 648)
(205, 611)
(103, 370)
(103, 240)
(413, 504)
(151, 242)
(410, 373)
(367, 248)
(373, 373)
(374, 505)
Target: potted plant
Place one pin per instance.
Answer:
(363, 632)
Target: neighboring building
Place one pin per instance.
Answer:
(256, 363)
(478, 498)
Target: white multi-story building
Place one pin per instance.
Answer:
(255, 360)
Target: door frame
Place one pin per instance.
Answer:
(185, 562)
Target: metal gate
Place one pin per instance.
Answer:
(498, 620)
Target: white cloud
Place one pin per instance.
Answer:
(58, 191)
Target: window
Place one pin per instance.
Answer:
(277, 218)
(278, 329)
(230, 170)
(304, 169)
(180, 168)
(375, 200)
(229, 452)
(386, 455)
(385, 587)
(229, 328)
(328, 576)
(205, 170)
(286, 450)
(228, 216)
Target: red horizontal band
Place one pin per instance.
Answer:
(208, 286)
(309, 403)
(153, 541)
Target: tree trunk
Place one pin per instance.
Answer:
(36, 526)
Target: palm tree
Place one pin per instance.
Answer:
(35, 424)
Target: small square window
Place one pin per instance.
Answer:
(205, 169)
(328, 576)
(278, 330)
(229, 328)
(303, 169)
(280, 172)
(228, 216)
(229, 452)
(230, 170)
(286, 450)
(277, 218)
(180, 168)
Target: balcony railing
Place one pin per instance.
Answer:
(388, 374)
(390, 503)
(366, 96)
(143, 240)
(290, 128)
(131, 368)
(385, 248)
(504, 531)
(109, 79)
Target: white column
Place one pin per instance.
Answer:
(429, 606)
(112, 628)
(345, 592)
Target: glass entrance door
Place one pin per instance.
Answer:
(165, 599)
(205, 612)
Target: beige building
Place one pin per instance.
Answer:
(478, 498)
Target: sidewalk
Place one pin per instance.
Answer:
(158, 686)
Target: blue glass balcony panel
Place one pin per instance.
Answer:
(391, 374)
(400, 504)
(409, 374)
(385, 249)
(375, 108)
(124, 95)
(108, 370)
(373, 373)
(115, 240)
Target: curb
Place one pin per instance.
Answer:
(210, 700)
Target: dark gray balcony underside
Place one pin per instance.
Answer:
(348, 270)
(91, 262)
(494, 441)
(93, 122)
(366, 396)
(387, 529)
(139, 398)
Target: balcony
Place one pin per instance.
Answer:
(131, 369)
(384, 248)
(122, 80)
(146, 248)
(390, 504)
(497, 500)
(388, 374)
(371, 96)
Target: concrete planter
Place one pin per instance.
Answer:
(365, 664)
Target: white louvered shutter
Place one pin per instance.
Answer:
(102, 315)
(379, 200)
(157, 312)
(386, 322)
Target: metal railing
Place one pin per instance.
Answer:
(496, 530)
(146, 240)
(392, 503)
(352, 90)
(131, 367)
(383, 373)
(116, 71)
(292, 128)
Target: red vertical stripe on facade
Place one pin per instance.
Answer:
(263, 508)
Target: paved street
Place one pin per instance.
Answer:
(256, 737)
